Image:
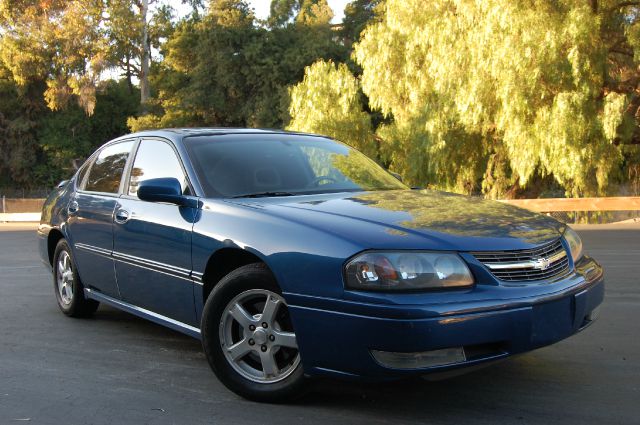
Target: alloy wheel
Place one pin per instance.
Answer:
(64, 278)
(257, 337)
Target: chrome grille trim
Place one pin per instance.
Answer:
(531, 264)
(546, 262)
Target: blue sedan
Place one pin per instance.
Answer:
(294, 256)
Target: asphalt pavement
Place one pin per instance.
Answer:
(118, 369)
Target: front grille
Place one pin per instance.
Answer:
(546, 262)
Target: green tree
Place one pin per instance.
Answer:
(124, 30)
(540, 88)
(305, 12)
(282, 11)
(69, 135)
(59, 42)
(18, 119)
(314, 12)
(201, 80)
(327, 101)
(70, 44)
(357, 15)
(133, 29)
(224, 70)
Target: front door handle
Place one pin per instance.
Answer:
(73, 207)
(122, 216)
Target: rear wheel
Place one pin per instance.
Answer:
(249, 339)
(68, 288)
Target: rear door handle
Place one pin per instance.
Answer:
(73, 207)
(122, 216)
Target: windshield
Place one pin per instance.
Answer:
(282, 164)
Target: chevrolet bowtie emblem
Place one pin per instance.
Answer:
(541, 263)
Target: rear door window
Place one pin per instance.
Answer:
(106, 173)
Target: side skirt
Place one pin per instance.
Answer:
(144, 313)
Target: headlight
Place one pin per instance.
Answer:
(403, 271)
(575, 243)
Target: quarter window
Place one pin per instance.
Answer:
(155, 159)
(81, 174)
(106, 173)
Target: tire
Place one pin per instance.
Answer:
(270, 370)
(67, 285)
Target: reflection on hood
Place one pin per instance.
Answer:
(462, 215)
(450, 221)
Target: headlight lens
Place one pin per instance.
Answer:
(403, 271)
(575, 243)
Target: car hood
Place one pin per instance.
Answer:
(415, 219)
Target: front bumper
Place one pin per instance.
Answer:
(339, 341)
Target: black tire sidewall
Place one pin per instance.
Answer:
(79, 306)
(252, 276)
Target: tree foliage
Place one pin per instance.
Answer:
(327, 101)
(38, 146)
(58, 42)
(307, 12)
(314, 12)
(225, 70)
(18, 145)
(498, 97)
(69, 44)
(64, 136)
(357, 15)
(535, 84)
(493, 95)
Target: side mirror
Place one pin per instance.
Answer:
(167, 189)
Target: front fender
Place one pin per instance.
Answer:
(303, 259)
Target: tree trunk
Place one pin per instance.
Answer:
(145, 91)
(129, 74)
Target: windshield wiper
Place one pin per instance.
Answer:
(263, 194)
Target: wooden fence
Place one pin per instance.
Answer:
(20, 205)
(625, 203)
(12, 209)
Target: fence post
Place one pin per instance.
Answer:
(4, 205)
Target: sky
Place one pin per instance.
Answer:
(262, 8)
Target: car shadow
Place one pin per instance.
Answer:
(502, 386)
(504, 392)
(130, 326)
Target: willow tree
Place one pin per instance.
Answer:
(327, 101)
(535, 88)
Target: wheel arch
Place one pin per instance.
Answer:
(55, 235)
(224, 261)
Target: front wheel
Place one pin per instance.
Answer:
(248, 337)
(68, 288)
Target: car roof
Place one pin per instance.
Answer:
(177, 134)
